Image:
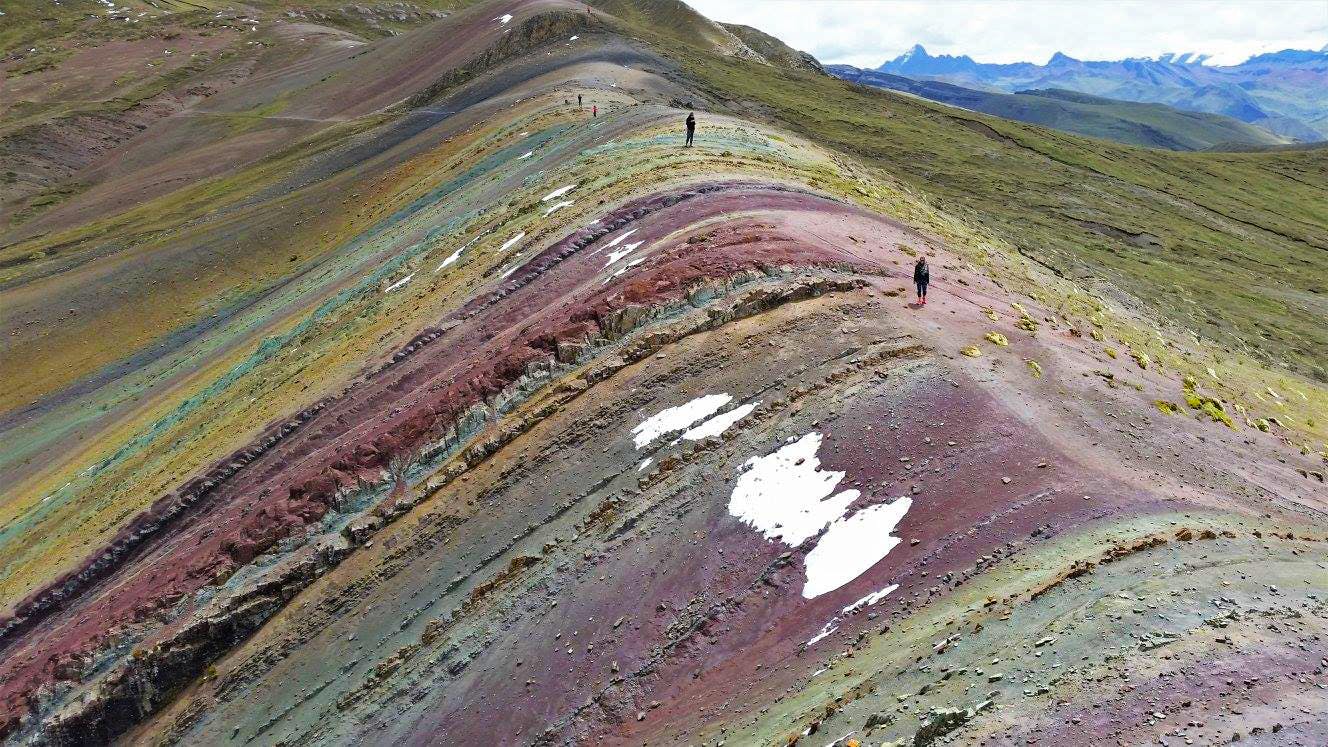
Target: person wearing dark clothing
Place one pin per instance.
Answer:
(594, 111)
(921, 276)
(578, 101)
(691, 127)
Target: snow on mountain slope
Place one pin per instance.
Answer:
(340, 434)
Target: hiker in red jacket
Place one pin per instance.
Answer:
(921, 276)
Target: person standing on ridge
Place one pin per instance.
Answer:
(691, 127)
(578, 101)
(921, 276)
(594, 111)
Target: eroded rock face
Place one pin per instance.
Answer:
(676, 462)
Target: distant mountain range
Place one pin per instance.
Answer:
(1134, 123)
(1285, 92)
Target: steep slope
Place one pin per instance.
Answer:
(426, 405)
(773, 50)
(1285, 92)
(1146, 125)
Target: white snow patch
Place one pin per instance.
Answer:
(452, 258)
(512, 241)
(623, 269)
(829, 628)
(719, 423)
(677, 418)
(528, 154)
(574, 38)
(503, 19)
(510, 270)
(557, 206)
(853, 545)
(618, 254)
(870, 599)
(555, 194)
(644, 463)
(866, 601)
(398, 283)
(786, 496)
(618, 240)
(841, 739)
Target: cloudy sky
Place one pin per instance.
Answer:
(868, 32)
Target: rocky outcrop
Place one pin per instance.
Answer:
(772, 51)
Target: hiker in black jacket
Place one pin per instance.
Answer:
(921, 277)
(691, 127)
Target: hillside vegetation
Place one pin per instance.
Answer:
(393, 373)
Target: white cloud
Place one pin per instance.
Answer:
(868, 32)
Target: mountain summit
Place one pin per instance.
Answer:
(917, 62)
(1285, 92)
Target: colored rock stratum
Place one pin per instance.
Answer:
(362, 387)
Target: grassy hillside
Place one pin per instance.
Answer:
(773, 50)
(1147, 125)
(1229, 245)
(1150, 125)
(361, 388)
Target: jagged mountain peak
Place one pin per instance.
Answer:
(1285, 91)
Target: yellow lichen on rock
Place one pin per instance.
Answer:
(1034, 367)
(997, 338)
(971, 351)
